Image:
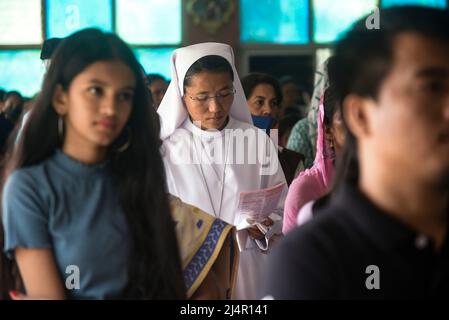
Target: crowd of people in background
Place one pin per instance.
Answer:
(289, 102)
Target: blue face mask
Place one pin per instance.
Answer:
(263, 122)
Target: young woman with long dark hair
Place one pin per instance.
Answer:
(85, 210)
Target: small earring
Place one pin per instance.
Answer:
(61, 128)
(127, 143)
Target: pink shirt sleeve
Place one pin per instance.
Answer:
(306, 187)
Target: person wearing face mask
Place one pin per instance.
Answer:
(264, 97)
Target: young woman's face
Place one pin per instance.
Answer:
(263, 100)
(209, 98)
(97, 104)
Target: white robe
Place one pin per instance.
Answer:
(190, 181)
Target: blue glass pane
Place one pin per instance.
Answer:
(149, 21)
(155, 60)
(332, 18)
(276, 21)
(67, 16)
(21, 70)
(427, 3)
(20, 22)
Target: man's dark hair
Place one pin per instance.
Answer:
(364, 57)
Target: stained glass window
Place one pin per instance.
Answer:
(20, 22)
(331, 18)
(274, 21)
(155, 60)
(149, 21)
(67, 16)
(21, 70)
(427, 3)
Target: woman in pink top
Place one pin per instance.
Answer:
(315, 182)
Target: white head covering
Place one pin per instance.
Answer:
(171, 111)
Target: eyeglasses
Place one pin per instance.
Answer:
(202, 99)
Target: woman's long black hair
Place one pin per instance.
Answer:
(154, 267)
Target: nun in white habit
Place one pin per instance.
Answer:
(212, 152)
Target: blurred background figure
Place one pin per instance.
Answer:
(13, 105)
(295, 99)
(285, 126)
(157, 85)
(303, 135)
(11, 109)
(2, 97)
(315, 182)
